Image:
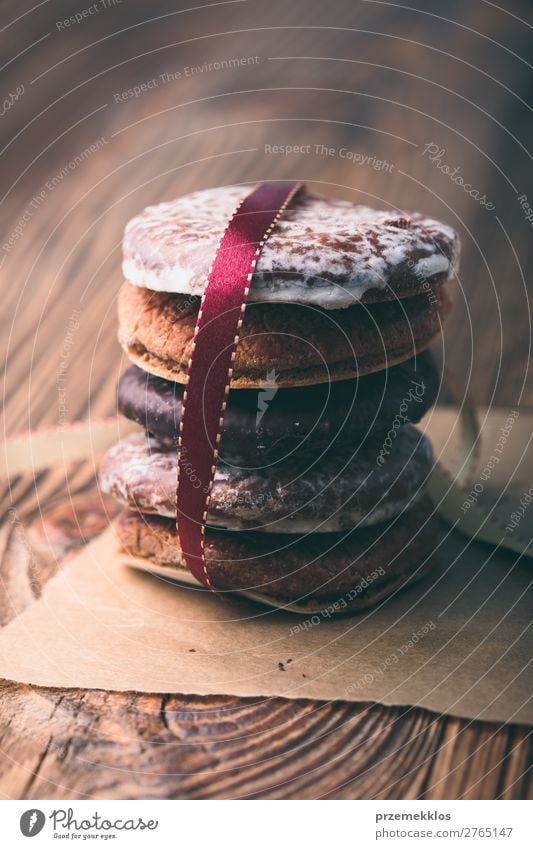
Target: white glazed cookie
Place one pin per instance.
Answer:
(336, 492)
(323, 251)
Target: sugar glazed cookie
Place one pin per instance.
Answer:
(326, 252)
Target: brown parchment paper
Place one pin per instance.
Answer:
(460, 642)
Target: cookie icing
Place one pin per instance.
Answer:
(323, 251)
(336, 493)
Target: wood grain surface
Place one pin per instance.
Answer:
(376, 80)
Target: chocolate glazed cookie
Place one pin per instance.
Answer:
(349, 572)
(336, 492)
(282, 345)
(263, 426)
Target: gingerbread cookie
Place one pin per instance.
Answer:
(333, 492)
(300, 345)
(323, 251)
(264, 426)
(334, 572)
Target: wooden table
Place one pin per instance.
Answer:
(80, 155)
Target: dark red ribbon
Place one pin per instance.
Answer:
(210, 367)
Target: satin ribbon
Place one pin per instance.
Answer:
(210, 366)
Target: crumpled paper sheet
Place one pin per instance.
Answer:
(460, 642)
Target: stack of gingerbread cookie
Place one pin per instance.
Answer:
(318, 499)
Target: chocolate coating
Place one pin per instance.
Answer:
(265, 425)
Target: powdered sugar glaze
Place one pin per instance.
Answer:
(323, 251)
(335, 493)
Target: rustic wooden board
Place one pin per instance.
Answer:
(380, 80)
